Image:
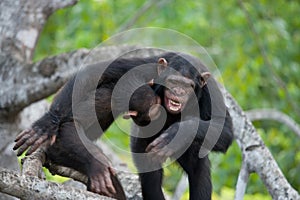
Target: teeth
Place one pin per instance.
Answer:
(175, 103)
(174, 108)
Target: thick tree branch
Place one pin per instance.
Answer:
(30, 187)
(256, 156)
(35, 81)
(41, 79)
(271, 114)
(32, 166)
(21, 23)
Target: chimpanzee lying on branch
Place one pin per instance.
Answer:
(195, 117)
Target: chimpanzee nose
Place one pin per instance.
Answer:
(179, 91)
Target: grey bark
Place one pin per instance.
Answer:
(20, 25)
(256, 156)
(31, 187)
(272, 114)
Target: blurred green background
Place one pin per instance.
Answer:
(255, 44)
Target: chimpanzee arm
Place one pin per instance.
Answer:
(46, 128)
(211, 135)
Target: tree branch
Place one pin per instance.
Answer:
(242, 182)
(140, 12)
(41, 79)
(21, 23)
(35, 81)
(30, 187)
(256, 156)
(181, 187)
(271, 114)
(34, 188)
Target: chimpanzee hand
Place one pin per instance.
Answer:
(43, 130)
(159, 148)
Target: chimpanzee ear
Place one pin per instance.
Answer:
(204, 77)
(162, 65)
(129, 114)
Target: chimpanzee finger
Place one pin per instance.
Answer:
(31, 140)
(109, 184)
(94, 187)
(24, 132)
(159, 146)
(22, 149)
(102, 187)
(98, 184)
(37, 144)
(21, 141)
(162, 155)
(153, 145)
(112, 171)
(27, 144)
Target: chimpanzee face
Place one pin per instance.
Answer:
(177, 93)
(180, 81)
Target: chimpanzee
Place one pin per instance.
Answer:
(171, 89)
(72, 110)
(197, 121)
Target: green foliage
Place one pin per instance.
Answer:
(255, 45)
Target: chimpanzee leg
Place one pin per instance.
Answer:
(198, 170)
(151, 185)
(80, 154)
(150, 173)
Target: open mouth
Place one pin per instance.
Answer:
(173, 105)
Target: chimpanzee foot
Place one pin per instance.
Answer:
(101, 183)
(106, 183)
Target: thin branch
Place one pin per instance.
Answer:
(148, 5)
(182, 186)
(271, 114)
(141, 11)
(242, 182)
